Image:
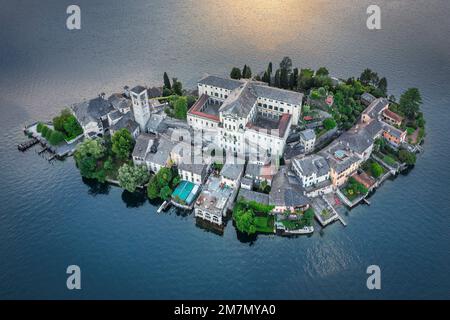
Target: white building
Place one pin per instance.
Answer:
(243, 112)
(140, 105)
(314, 174)
(308, 140)
(144, 143)
(214, 201)
(231, 175)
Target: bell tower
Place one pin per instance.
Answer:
(141, 108)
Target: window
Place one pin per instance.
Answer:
(281, 110)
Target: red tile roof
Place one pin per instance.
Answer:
(364, 178)
(393, 115)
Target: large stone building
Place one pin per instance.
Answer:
(244, 116)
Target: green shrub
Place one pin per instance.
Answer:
(56, 138)
(44, 130)
(39, 127)
(48, 134)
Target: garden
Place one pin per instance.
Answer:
(65, 128)
(354, 189)
(301, 220)
(251, 217)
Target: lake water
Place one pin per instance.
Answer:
(50, 218)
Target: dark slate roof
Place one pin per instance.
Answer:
(374, 109)
(232, 171)
(138, 89)
(119, 102)
(114, 115)
(142, 145)
(392, 130)
(164, 147)
(308, 134)
(312, 164)
(339, 164)
(367, 97)
(225, 83)
(154, 123)
(249, 195)
(91, 110)
(361, 136)
(241, 101)
(247, 181)
(127, 121)
(282, 95)
(286, 191)
(199, 168)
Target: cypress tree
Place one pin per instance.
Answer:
(167, 81)
(284, 79)
(235, 73)
(246, 72)
(277, 79)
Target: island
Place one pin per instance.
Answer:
(271, 152)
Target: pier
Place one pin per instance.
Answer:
(28, 144)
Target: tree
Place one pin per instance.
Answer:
(39, 127)
(153, 188)
(246, 72)
(269, 68)
(165, 193)
(382, 86)
(305, 79)
(245, 221)
(235, 73)
(166, 92)
(277, 81)
(48, 133)
(44, 130)
(166, 177)
(410, 102)
(322, 72)
(122, 143)
(130, 177)
(177, 87)
(87, 157)
(407, 157)
(58, 121)
(308, 217)
(56, 138)
(369, 77)
(284, 79)
(293, 81)
(329, 123)
(376, 170)
(72, 128)
(286, 64)
(266, 77)
(180, 108)
(167, 81)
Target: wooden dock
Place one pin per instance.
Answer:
(27, 144)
